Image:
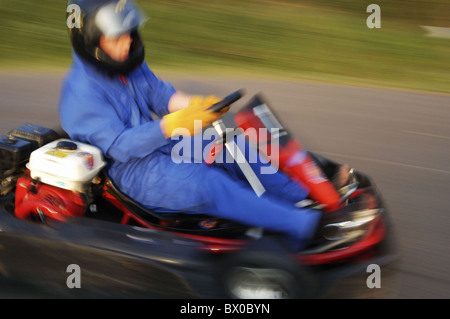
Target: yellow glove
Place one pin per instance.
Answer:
(192, 119)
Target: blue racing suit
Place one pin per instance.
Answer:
(114, 113)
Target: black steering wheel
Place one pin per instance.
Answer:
(226, 101)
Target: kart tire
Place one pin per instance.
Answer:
(265, 271)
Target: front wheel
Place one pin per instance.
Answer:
(265, 274)
(260, 283)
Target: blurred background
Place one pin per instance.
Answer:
(377, 99)
(320, 40)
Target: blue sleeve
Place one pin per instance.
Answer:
(159, 92)
(87, 116)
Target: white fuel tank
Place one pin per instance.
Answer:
(66, 164)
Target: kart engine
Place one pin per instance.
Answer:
(58, 180)
(51, 176)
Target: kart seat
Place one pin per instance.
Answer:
(134, 206)
(179, 220)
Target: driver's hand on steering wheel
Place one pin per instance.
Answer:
(200, 102)
(186, 121)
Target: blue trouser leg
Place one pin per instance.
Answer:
(275, 182)
(221, 192)
(238, 202)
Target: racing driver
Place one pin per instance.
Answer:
(109, 98)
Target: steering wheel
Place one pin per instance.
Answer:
(226, 101)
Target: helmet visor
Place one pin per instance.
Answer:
(116, 19)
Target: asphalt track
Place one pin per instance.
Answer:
(400, 138)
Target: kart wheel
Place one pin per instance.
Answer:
(265, 274)
(259, 283)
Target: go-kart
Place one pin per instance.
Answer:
(57, 191)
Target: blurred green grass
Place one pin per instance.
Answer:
(320, 40)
